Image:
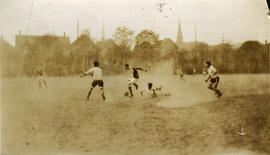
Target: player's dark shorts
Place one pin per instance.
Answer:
(97, 82)
(214, 80)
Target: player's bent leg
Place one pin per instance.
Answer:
(132, 81)
(130, 84)
(45, 83)
(130, 91)
(136, 86)
(89, 93)
(217, 82)
(39, 83)
(103, 94)
(211, 86)
(219, 93)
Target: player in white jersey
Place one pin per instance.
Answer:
(97, 74)
(214, 79)
(194, 71)
(39, 76)
(133, 78)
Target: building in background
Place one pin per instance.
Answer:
(21, 40)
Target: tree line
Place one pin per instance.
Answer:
(145, 50)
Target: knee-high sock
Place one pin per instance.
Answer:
(89, 93)
(130, 90)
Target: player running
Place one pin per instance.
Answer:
(194, 71)
(133, 78)
(181, 73)
(214, 79)
(97, 74)
(39, 76)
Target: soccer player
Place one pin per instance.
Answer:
(134, 77)
(194, 71)
(97, 74)
(39, 76)
(214, 79)
(181, 73)
(150, 89)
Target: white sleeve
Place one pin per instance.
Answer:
(213, 69)
(131, 72)
(89, 71)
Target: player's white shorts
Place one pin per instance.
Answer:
(132, 80)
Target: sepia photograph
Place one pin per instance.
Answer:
(135, 77)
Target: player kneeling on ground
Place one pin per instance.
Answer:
(214, 79)
(150, 89)
(97, 79)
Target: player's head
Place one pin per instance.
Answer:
(150, 85)
(208, 64)
(96, 63)
(127, 66)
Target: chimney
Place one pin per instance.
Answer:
(266, 42)
(64, 34)
(20, 32)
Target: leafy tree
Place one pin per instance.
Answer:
(145, 54)
(147, 36)
(168, 48)
(123, 37)
(250, 55)
(83, 53)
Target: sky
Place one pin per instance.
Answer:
(238, 20)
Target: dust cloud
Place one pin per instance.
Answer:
(180, 93)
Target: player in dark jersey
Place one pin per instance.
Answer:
(134, 77)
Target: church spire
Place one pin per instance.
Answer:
(78, 29)
(179, 34)
(103, 33)
(222, 38)
(195, 32)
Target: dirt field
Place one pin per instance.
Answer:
(191, 120)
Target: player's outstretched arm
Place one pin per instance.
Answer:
(81, 76)
(141, 69)
(90, 71)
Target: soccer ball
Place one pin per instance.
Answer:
(126, 94)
